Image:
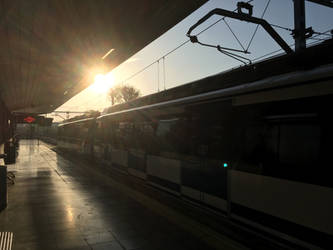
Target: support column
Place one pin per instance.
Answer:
(299, 21)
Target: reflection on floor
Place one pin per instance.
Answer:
(54, 205)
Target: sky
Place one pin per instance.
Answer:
(192, 61)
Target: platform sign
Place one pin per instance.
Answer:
(33, 119)
(29, 119)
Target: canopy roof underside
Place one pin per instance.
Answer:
(49, 48)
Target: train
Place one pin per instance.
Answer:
(258, 151)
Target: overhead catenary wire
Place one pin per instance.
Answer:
(291, 44)
(185, 42)
(239, 42)
(162, 58)
(321, 33)
(177, 47)
(292, 30)
(168, 53)
(281, 27)
(227, 53)
(255, 31)
(317, 39)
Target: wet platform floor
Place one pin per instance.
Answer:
(55, 204)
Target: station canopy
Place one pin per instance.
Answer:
(52, 49)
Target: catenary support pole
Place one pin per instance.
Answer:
(299, 22)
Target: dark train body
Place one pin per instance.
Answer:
(259, 151)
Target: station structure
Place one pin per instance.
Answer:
(83, 184)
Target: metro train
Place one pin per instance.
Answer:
(259, 152)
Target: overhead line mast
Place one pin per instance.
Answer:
(300, 32)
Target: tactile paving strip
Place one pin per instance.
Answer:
(6, 240)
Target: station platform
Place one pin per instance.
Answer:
(56, 203)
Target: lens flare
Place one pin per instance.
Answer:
(102, 83)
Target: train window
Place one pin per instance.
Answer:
(147, 138)
(299, 144)
(172, 135)
(210, 129)
(284, 146)
(117, 136)
(249, 151)
(164, 127)
(81, 131)
(100, 132)
(112, 131)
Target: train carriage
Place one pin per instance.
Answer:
(77, 136)
(259, 152)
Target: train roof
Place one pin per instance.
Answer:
(321, 76)
(304, 61)
(77, 121)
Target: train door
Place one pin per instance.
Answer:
(205, 179)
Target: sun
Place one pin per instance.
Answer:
(102, 83)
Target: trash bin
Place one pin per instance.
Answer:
(3, 187)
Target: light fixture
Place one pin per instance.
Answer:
(108, 53)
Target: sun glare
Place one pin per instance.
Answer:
(102, 83)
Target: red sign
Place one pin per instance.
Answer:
(29, 119)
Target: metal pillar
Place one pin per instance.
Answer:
(299, 21)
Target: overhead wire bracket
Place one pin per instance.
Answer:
(223, 50)
(242, 16)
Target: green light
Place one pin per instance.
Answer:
(225, 165)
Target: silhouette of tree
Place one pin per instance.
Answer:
(115, 94)
(123, 93)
